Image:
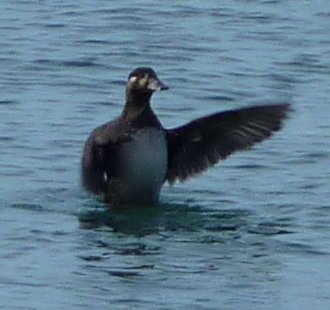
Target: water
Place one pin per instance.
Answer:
(252, 233)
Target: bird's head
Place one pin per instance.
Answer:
(143, 81)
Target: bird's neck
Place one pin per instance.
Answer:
(138, 112)
(136, 105)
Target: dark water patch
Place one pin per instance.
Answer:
(44, 61)
(317, 155)
(95, 41)
(78, 63)
(321, 225)
(206, 191)
(16, 171)
(124, 248)
(302, 248)
(244, 74)
(322, 208)
(222, 15)
(185, 11)
(260, 18)
(183, 269)
(217, 98)
(323, 14)
(271, 1)
(55, 234)
(269, 229)
(124, 274)
(81, 63)
(7, 139)
(309, 63)
(121, 13)
(137, 249)
(307, 158)
(226, 227)
(240, 93)
(106, 103)
(283, 78)
(28, 206)
(226, 220)
(176, 109)
(93, 258)
(8, 27)
(55, 25)
(266, 36)
(71, 11)
(311, 186)
(8, 102)
(250, 166)
(16, 283)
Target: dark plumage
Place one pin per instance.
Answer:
(129, 158)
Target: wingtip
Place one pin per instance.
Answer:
(286, 107)
(287, 110)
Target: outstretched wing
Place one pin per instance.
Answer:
(200, 144)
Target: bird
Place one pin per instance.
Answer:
(129, 159)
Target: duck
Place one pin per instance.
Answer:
(128, 159)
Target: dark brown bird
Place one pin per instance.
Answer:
(130, 158)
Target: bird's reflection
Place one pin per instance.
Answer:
(145, 220)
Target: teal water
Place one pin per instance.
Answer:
(252, 233)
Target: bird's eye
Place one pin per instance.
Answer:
(143, 80)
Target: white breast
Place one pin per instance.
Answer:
(145, 162)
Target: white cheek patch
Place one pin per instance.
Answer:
(132, 79)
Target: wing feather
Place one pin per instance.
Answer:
(200, 144)
(99, 157)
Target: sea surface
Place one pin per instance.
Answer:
(251, 233)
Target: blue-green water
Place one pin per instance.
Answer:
(252, 233)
